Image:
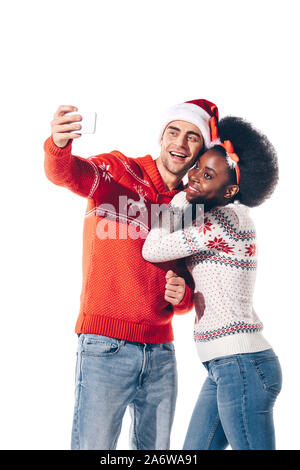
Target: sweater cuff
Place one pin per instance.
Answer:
(51, 148)
(187, 302)
(179, 201)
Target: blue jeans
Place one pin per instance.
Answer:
(112, 374)
(235, 405)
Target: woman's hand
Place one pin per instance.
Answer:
(175, 288)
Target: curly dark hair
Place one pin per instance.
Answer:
(258, 160)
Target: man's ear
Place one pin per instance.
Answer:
(231, 191)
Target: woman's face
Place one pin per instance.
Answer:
(208, 181)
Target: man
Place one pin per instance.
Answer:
(125, 355)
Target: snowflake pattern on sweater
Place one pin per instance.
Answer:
(221, 256)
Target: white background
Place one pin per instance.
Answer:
(129, 60)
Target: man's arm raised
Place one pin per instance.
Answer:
(80, 175)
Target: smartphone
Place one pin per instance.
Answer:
(88, 122)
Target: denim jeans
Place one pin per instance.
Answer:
(113, 374)
(235, 405)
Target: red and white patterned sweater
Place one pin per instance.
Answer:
(220, 253)
(122, 294)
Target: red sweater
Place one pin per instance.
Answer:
(122, 295)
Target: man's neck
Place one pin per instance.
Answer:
(170, 180)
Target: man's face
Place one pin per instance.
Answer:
(181, 144)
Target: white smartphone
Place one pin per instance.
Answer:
(88, 122)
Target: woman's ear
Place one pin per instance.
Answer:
(231, 191)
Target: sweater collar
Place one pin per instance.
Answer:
(151, 169)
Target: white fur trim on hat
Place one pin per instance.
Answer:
(188, 112)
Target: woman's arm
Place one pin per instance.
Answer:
(162, 244)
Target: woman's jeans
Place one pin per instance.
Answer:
(113, 374)
(235, 405)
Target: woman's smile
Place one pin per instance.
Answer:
(192, 189)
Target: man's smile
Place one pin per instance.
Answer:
(177, 156)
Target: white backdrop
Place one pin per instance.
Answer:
(129, 61)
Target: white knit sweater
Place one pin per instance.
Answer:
(221, 256)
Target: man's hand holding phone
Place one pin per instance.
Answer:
(68, 124)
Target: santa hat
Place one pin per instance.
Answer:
(203, 113)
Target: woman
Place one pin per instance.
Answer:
(236, 402)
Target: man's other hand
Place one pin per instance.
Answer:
(175, 288)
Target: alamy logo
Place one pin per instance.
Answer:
(134, 219)
(137, 205)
